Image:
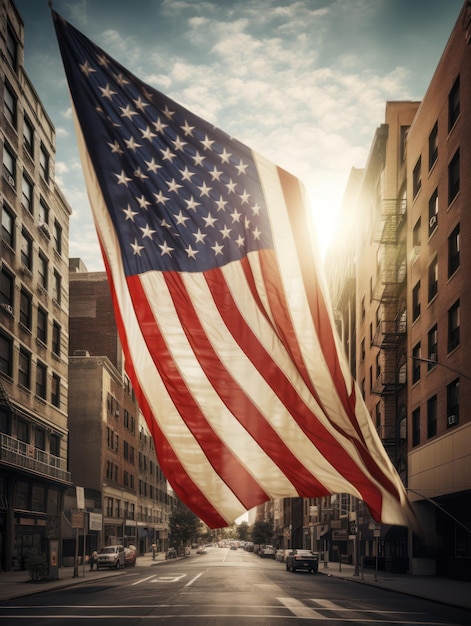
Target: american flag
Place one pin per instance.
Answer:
(220, 304)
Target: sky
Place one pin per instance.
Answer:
(304, 83)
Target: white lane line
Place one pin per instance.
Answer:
(193, 579)
(299, 609)
(142, 580)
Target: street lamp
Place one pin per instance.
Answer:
(352, 530)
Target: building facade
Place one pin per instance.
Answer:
(34, 308)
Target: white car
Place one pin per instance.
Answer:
(111, 556)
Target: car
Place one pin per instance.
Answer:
(279, 555)
(202, 550)
(302, 559)
(130, 555)
(111, 557)
(267, 552)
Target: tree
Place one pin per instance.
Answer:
(262, 532)
(243, 531)
(184, 526)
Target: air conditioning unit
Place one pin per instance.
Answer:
(432, 221)
(7, 307)
(45, 229)
(11, 181)
(452, 419)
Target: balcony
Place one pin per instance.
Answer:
(25, 456)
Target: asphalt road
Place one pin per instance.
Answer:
(224, 587)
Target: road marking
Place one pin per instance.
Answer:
(142, 580)
(299, 609)
(193, 579)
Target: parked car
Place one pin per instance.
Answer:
(130, 555)
(302, 559)
(111, 556)
(279, 555)
(201, 550)
(267, 552)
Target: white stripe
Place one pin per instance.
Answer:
(299, 609)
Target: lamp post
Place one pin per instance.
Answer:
(352, 530)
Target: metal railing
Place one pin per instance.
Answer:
(26, 456)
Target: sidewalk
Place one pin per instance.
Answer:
(444, 590)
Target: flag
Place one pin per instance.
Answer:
(220, 304)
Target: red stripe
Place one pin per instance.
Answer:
(184, 487)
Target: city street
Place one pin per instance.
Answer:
(230, 587)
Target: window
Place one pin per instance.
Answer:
(378, 364)
(8, 226)
(6, 287)
(9, 104)
(26, 250)
(28, 136)
(417, 177)
(454, 104)
(362, 354)
(56, 338)
(454, 177)
(43, 216)
(22, 495)
(6, 354)
(41, 380)
(402, 148)
(54, 445)
(431, 417)
(416, 427)
(433, 279)
(40, 438)
(433, 347)
(44, 162)
(41, 328)
(433, 212)
(25, 309)
(454, 326)
(57, 237)
(22, 430)
(433, 146)
(9, 165)
(5, 422)
(416, 301)
(12, 47)
(453, 403)
(56, 287)
(38, 498)
(416, 363)
(454, 251)
(43, 265)
(27, 194)
(416, 238)
(55, 390)
(24, 368)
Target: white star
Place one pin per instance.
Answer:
(199, 236)
(198, 159)
(165, 224)
(136, 248)
(187, 129)
(217, 249)
(225, 156)
(191, 253)
(181, 219)
(246, 223)
(131, 144)
(129, 213)
(256, 233)
(128, 112)
(178, 143)
(140, 174)
(103, 60)
(152, 166)
(173, 185)
(221, 203)
(167, 155)
(191, 204)
(186, 174)
(210, 220)
(107, 92)
(143, 203)
(147, 231)
(231, 186)
(121, 80)
(207, 143)
(140, 104)
(235, 216)
(122, 178)
(215, 173)
(160, 197)
(225, 232)
(147, 133)
(204, 189)
(245, 197)
(168, 113)
(166, 249)
(241, 167)
(159, 126)
(256, 209)
(240, 241)
(115, 147)
(87, 69)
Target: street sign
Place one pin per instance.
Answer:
(77, 520)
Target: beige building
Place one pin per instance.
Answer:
(34, 306)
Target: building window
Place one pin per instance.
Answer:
(433, 347)
(56, 287)
(40, 438)
(22, 498)
(454, 177)
(431, 417)
(44, 162)
(9, 165)
(6, 354)
(416, 301)
(453, 403)
(433, 212)
(417, 177)
(26, 309)
(56, 338)
(433, 279)
(9, 104)
(28, 136)
(43, 265)
(378, 364)
(8, 227)
(24, 368)
(433, 146)
(416, 363)
(55, 390)
(41, 380)
(362, 354)
(454, 251)
(57, 237)
(27, 194)
(454, 104)
(363, 310)
(454, 326)
(416, 238)
(5, 422)
(55, 445)
(43, 216)
(26, 250)
(12, 48)
(416, 427)
(41, 329)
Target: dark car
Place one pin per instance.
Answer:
(302, 559)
